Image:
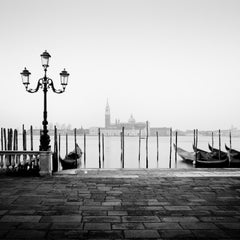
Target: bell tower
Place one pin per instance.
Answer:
(107, 116)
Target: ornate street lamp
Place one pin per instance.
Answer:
(45, 83)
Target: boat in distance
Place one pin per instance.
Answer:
(72, 159)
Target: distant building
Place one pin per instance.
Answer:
(162, 131)
(131, 127)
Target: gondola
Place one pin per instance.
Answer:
(72, 159)
(211, 159)
(216, 152)
(234, 157)
(185, 155)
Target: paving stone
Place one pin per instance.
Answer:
(180, 219)
(177, 208)
(198, 225)
(218, 219)
(20, 218)
(66, 225)
(97, 226)
(26, 234)
(104, 219)
(104, 234)
(123, 226)
(162, 226)
(176, 234)
(140, 219)
(61, 218)
(229, 225)
(143, 234)
(34, 226)
(117, 213)
(209, 234)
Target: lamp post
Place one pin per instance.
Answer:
(45, 83)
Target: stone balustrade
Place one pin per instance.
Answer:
(12, 158)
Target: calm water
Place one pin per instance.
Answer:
(113, 150)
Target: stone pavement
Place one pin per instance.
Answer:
(122, 204)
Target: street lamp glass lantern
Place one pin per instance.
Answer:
(25, 77)
(45, 59)
(64, 78)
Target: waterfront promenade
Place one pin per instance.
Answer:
(122, 204)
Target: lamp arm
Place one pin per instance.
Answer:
(50, 84)
(37, 88)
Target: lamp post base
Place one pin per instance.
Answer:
(44, 143)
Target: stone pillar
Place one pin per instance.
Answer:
(45, 163)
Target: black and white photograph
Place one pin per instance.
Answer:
(120, 119)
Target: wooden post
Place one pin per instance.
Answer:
(147, 145)
(55, 153)
(16, 145)
(196, 142)
(5, 139)
(10, 145)
(59, 150)
(176, 143)
(24, 137)
(31, 137)
(194, 138)
(84, 149)
(212, 140)
(139, 148)
(123, 146)
(102, 150)
(230, 139)
(66, 144)
(219, 135)
(99, 147)
(2, 139)
(157, 149)
(1, 160)
(170, 155)
(75, 139)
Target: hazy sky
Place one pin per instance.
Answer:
(174, 63)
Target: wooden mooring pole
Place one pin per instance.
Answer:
(84, 149)
(139, 149)
(55, 151)
(103, 157)
(212, 140)
(24, 133)
(1, 160)
(66, 144)
(75, 140)
(196, 141)
(176, 144)
(157, 149)
(123, 147)
(230, 139)
(147, 144)
(219, 144)
(59, 150)
(194, 138)
(99, 148)
(170, 155)
(31, 137)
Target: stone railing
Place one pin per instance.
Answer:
(12, 158)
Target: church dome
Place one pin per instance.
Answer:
(131, 120)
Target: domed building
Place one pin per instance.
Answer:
(131, 127)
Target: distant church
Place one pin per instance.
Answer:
(130, 125)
